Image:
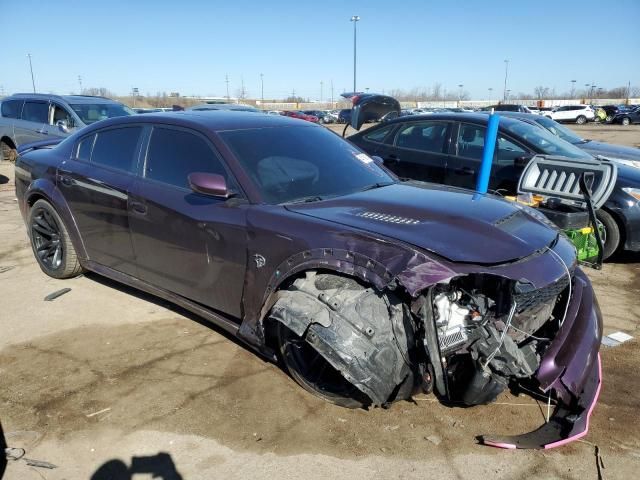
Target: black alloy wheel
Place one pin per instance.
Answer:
(51, 243)
(314, 373)
(45, 235)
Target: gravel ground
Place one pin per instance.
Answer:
(107, 382)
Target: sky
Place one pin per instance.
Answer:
(306, 46)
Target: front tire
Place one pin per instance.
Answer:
(51, 243)
(611, 233)
(581, 120)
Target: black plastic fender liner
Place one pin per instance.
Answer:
(360, 331)
(566, 425)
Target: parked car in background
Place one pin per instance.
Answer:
(367, 288)
(447, 149)
(534, 110)
(618, 153)
(148, 110)
(273, 112)
(300, 115)
(613, 110)
(321, 115)
(579, 114)
(344, 116)
(627, 117)
(235, 107)
(507, 107)
(31, 117)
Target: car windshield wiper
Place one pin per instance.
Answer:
(376, 185)
(310, 198)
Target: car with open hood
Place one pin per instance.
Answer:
(366, 287)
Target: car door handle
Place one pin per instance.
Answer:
(139, 207)
(464, 171)
(42, 131)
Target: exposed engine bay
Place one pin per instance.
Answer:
(490, 331)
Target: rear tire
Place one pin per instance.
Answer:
(7, 152)
(626, 121)
(612, 233)
(581, 120)
(51, 243)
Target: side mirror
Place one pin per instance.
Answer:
(377, 160)
(522, 161)
(63, 126)
(210, 184)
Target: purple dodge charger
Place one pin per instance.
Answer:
(367, 288)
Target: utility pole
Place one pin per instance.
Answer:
(33, 82)
(506, 74)
(332, 95)
(355, 19)
(80, 83)
(226, 80)
(262, 87)
(321, 83)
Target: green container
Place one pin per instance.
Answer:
(585, 241)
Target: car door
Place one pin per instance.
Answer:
(185, 242)
(95, 183)
(419, 150)
(464, 164)
(31, 126)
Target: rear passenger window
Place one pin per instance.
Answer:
(174, 154)
(379, 135)
(36, 112)
(11, 108)
(471, 145)
(116, 148)
(423, 136)
(83, 151)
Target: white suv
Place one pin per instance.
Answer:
(572, 113)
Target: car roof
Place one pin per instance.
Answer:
(213, 120)
(472, 117)
(74, 99)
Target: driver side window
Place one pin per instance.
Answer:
(61, 114)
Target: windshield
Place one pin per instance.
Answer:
(93, 112)
(559, 130)
(544, 141)
(289, 164)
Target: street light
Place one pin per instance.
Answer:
(506, 74)
(573, 88)
(355, 19)
(490, 92)
(507, 94)
(33, 82)
(460, 85)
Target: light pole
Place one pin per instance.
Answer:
(573, 88)
(321, 84)
(460, 85)
(506, 97)
(226, 80)
(355, 19)
(262, 87)
(80, 83)
(33, 82)
(506, 74)
(591, 92)
(490, 92)
(586, 92)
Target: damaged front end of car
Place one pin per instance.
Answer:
(465, 332)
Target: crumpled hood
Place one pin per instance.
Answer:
(611, 150)
(454, 223)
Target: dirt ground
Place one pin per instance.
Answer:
(107, 382)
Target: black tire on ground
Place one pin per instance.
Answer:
(313, 373)
(625, 121)
(609, 118)
(581, 120)
(7, 152)
(51, 243)
(612, 233)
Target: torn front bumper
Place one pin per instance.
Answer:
(571, 369)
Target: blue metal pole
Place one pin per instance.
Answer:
(482, 182)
